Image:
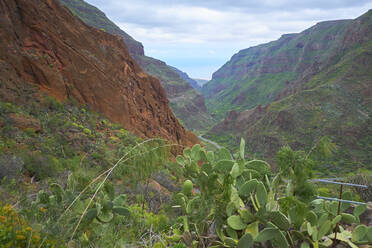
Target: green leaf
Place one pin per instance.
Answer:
(358, 210)
(236, 223)
(235, 172)
(230, 242)
(232, 233)
(210, 156)
(359, 233)
(223, 154)
(323, 218)
(249, 174)
(120, 200)
(242, 147)
(190, 204)
(259, 165)
(333, 208)
(246, 215)
(309, 228)
(90, 215)
(108, 205)
(369, 234)
(324, 229)
(279, 220)
(230, 208)
(105, 216)
(42, 197)
(246, 241)
(336, 219)
(195, 152)
(261, 194)
(346, 196)
(267, 234)
(252, 229)
(57, 191)
(312, 218)
(248, 187)
(187, 152)
(305, 245)
(348, 218)
(280, 240)
(224, 166)
(180, 160)
(238, 203)
(121, 211)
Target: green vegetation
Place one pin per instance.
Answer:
(323, 93)
(104, 196)
(258, 74)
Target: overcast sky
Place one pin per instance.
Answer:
(199, 36)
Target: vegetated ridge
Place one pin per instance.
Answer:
(187, 104)
(43, 44)
(298, 89)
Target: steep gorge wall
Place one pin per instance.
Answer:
(45, 45)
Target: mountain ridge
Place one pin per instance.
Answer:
(331, 94)
(186, 103)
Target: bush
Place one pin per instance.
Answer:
(14, 231)
(10, 166)
(41, 166)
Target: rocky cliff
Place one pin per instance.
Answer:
(187, 104)
(329, 93)
(96, 18)
(44, 45)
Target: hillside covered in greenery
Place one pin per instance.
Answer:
(92, 156)
(297, 89)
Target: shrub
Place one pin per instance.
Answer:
(40, 165)
(14, 231)
(10, 166)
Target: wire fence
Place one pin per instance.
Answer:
(336, 181)
(339, 200)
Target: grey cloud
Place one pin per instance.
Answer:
(192, 27)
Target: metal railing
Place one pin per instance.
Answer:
(334, 181)
(339, 200)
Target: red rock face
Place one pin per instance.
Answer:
(45, 45)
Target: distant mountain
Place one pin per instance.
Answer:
(299, 88)
(201, 82)
(258, 74)
(187, 104)
(186, 77)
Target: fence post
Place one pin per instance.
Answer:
(338, 213)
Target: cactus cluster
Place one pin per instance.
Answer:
(238, 203)
(52, 204)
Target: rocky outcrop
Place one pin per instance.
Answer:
(187, 104)
(96, 18)
(24, 122)
(43, 44)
